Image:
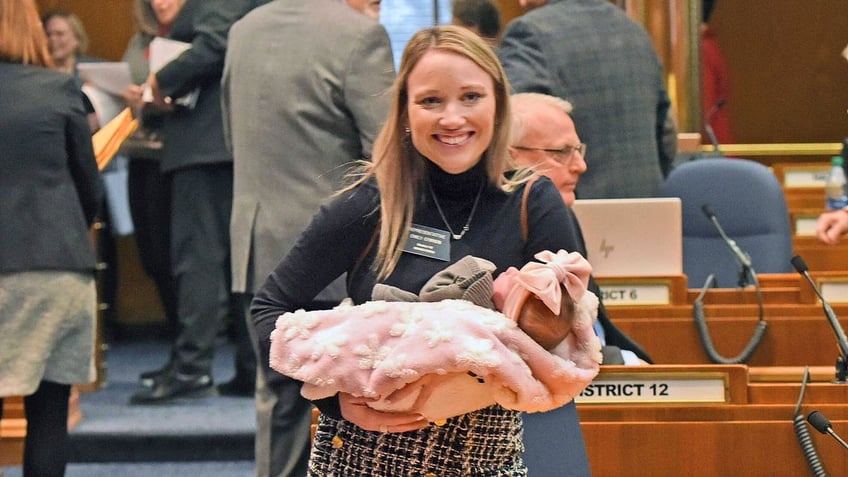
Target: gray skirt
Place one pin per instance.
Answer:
(47, 323)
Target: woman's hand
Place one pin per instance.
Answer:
(355, 409)
(132, 96)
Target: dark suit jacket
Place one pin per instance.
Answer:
(49, 186)
(195, 136)
(591, 53)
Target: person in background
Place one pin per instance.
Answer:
(149, 189)
(370, 8)
(201, 175)
(480, 16)
(715, 82)
(592, 54)
(49, 194)
(293, 126)
(544, 138)
(831, 226)
(67, 43)
(67, 40)
(439, 164)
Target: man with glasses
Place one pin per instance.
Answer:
(593, 54)
(544, 137)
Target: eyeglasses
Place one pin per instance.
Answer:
(563, 155)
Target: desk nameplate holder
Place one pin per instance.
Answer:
(666, 384)
(804, 176)
(642, 291)
(834, 290)
(805, 223)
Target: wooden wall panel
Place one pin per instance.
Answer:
(108, 23)
(788, 78)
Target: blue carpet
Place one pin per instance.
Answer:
(210, 436)
(210, 428)
(163, 469)
(212, 431)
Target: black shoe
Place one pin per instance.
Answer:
(174, 386)
(149, 378)
(239, 386)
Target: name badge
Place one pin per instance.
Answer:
(428, 242)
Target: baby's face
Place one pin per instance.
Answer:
(542, 325)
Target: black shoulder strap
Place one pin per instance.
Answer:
(525, 228)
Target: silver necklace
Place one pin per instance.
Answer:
(470, 216)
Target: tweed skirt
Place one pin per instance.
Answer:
(47, 323)
(484, 443)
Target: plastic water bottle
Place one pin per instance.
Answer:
(834, 189)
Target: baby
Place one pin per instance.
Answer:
(447, 350)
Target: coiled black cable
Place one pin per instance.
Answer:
(704, 331)
(803, 434)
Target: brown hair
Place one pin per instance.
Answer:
(145, 17)
(398, 168)
(22, 38)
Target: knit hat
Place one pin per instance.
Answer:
(468, 279)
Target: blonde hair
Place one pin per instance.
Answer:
(22, 38)
(399, 169)
(76, 26)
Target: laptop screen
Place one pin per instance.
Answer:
(632, 237)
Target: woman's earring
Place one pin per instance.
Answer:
(407, 130)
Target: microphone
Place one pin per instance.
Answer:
(743, 258)
(841, 363)
(822, 424)
(709, 128)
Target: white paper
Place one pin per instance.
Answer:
(162, 52)
(110, 76)
(106, 105)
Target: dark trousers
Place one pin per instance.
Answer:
(150, 206)
(202, 198)
(553, 443)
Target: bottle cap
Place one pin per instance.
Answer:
(836, 161)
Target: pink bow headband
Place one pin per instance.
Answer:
(513, 287)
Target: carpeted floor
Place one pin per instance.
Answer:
(210, 436)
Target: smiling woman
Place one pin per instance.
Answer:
(440, 169)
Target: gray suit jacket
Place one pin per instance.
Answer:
(591, 54)
(304, 93)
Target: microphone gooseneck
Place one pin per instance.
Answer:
(818, 421)
(708, 128)
(747, 270)
(822, 424)
(841, 340)
(743, 258)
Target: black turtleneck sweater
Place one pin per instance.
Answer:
(335, 240)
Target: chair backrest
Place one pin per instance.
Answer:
(748, 202)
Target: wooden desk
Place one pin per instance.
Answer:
(798, 332)
(750, 435)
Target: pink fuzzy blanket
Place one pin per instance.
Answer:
(440, 359)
